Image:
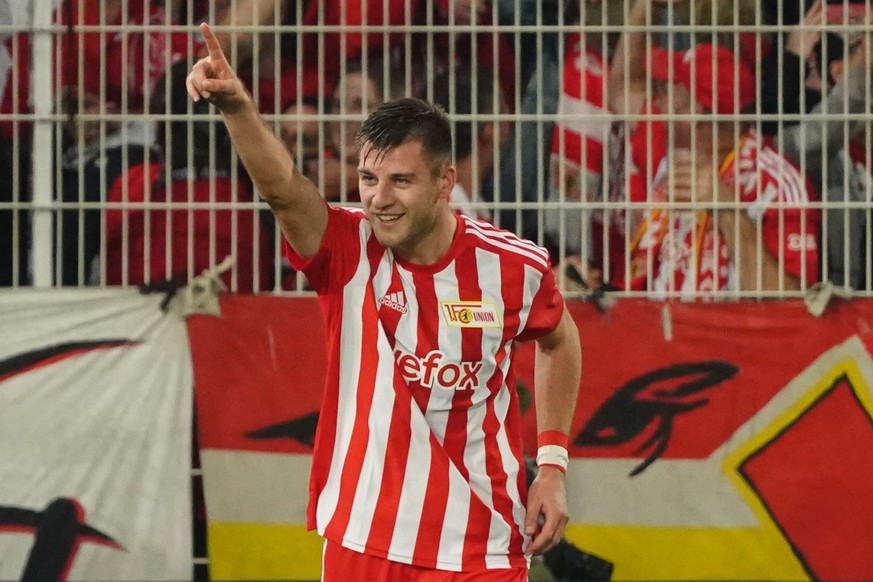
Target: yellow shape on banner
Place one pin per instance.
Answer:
(688, 553)
(731, 553)
(257, 551)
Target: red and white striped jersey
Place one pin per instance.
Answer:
(418, 451)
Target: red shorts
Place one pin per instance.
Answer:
(343, 565)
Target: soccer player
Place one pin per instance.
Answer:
(417, 470)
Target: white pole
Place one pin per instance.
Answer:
(41, 92)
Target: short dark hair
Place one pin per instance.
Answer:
(408, 119)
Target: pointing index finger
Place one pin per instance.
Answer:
(212, 44)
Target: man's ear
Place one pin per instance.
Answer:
(447, 181)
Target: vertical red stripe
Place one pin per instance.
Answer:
(513, 286)
(325, 432)
(393, 472)
(398, 443)
(354, 458)
(437, 493)
(479, 516)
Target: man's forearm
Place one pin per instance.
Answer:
(268, 162)
(557, 376)
(293, 198)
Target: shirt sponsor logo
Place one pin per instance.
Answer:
(433, 371)
(396, 301)
(470, 313)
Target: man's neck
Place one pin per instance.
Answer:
(436, 244)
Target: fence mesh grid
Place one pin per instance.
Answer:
(695, 150)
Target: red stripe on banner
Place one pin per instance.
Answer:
(814, 479)
(248, 374)
(750, 336)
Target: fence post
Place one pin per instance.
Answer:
(41, 95)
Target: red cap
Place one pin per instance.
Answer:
(723, 82)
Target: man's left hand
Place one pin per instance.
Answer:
(547, 499)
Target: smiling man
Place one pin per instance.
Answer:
(418, 471)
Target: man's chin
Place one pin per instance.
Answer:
(386, 239)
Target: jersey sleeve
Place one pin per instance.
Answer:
(792, 231)
(337, 256)
(546, 308)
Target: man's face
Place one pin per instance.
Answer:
(402, 196)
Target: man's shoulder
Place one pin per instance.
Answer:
(350, 216)
(502, 242)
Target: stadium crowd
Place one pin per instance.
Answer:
(675, 148)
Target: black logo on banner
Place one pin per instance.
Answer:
(300, 429)
(58, 531)
(653, 401)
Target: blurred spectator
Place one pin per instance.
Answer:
(302, 135)
(97, 73)
(522, 174)
(463, 92)
(357, 94)
(793, 75)
(636, 144)
(15, 140)
(788, 73)
(824, 145)
(577, 156)
(310, 63)
(813, 143)
(482, 48)
(97, 152)
(849, 176)
(718, 164)
(178, 218)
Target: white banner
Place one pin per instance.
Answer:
(95, 437)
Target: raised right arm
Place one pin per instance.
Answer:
(293, 198)
(626, 82)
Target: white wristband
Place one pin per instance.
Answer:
(553, 455)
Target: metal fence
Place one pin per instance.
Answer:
(694, 150)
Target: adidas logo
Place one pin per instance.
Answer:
(396, 301)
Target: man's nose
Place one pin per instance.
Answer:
(382, 195)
